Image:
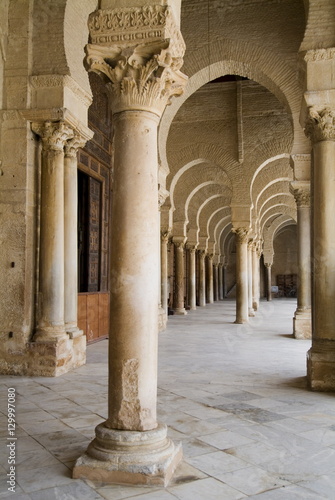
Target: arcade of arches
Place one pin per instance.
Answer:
(209, 124)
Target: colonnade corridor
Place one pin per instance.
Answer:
(234, 395)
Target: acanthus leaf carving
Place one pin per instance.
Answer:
(241, 234)
(320, 124)
(53, 134)
(141, 69)
(73, 144)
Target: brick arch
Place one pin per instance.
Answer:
(270, 233)
(269, 186)
(244, 59)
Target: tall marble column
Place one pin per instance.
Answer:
(51, 326)
(320, 128)
(131, 446)
(241, 235)
(192, 278)
(179, 291)
(302, 322)
(164, 270)
(71, 235)
(251, 311)
(255, 277)
(268, 266)
(209, 279)
(220, 281)
(202, 278)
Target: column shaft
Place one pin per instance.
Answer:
(164, 272)
(209, 280)
(251, 311)
(51, 279)
(179, 292)
(220, 281)
(241, 277)
(134, 293)
(71, 237)
(192, 280)
(268, 282)
(255, 278)
(202, 279)
(216, 282)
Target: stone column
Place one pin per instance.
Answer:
(320, 128)
(255, 277)
(130, 446)
(192, 278)
(220, 281)
(179, 292)
(241, 275)
(71, 236)
(202, 278)
(216, 282)
(268, 281)
(224, 280)
(302, 323)
(164, 270)
(51, 325)
(251, 311)
(209, 279)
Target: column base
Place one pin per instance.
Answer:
(302, 324)
(321, 366)
(53, 333)
(181, 311)
(255, 306)
(129, 457)
(240, 321)
(251, 312)
(74, 332)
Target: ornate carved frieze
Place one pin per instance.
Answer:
(320, 124)
(53, 134)
(136, 25)
(139, 52)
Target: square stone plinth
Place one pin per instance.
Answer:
(321, 370)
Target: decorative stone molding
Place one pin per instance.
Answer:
(268, 264)
(319, 54)
(52, 81)
(126, 26)
(320, 124)
(53, 134)
(241, 234)
(72, 145)
(140, 51)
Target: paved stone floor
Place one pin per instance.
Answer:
(235, 395)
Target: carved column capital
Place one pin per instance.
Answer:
(241, 234)
(139, 52)
(53, 134)
(320, 124)
(301, 193)
(268, 264)
(202, 254)
(72, 145)
(165, 235)
(191, 248)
